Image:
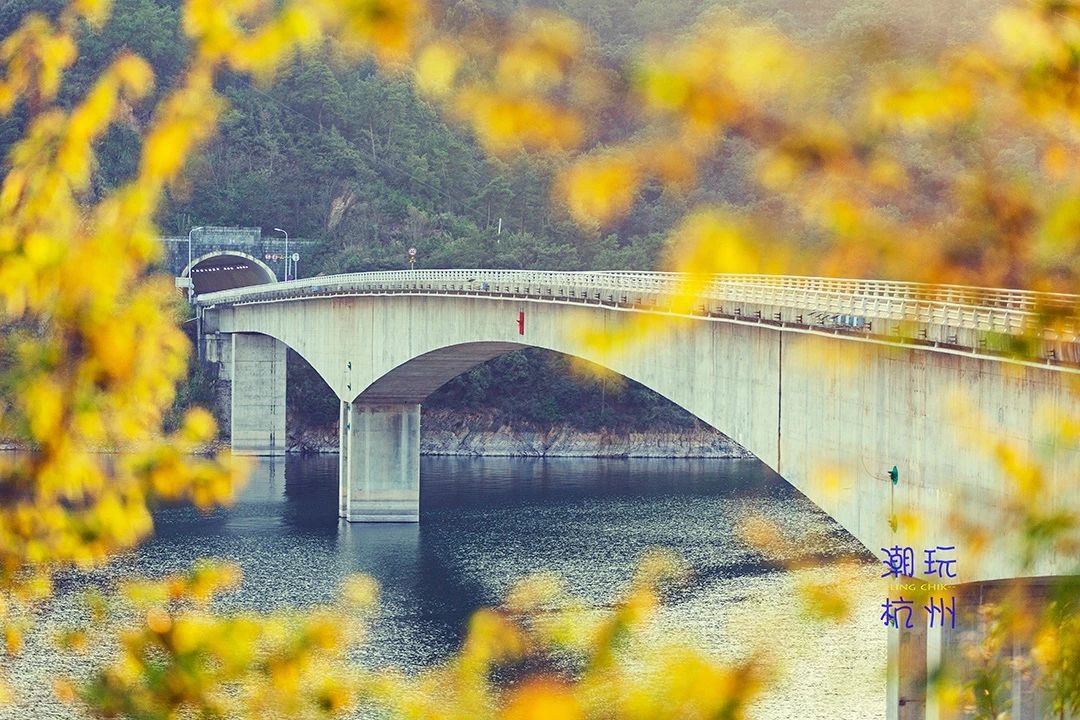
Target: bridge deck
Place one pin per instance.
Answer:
(1019, 324)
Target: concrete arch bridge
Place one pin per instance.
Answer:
(830, 382)
(814, 376)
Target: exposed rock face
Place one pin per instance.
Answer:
(569, 442)
(448, 433)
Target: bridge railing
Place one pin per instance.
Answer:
(807, 300)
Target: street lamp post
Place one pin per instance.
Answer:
(191, 280)
(286, 252)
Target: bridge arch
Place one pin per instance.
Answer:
(227, 269)
(414, 380)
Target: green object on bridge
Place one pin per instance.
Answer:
(894, 475)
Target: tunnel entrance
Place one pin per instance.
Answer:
(226, 270)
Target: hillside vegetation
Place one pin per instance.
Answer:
(354, 160)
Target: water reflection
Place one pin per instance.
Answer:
(487, 522)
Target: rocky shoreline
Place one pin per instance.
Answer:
(474, 435)
(447, 433)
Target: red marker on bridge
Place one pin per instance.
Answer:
(521, 322)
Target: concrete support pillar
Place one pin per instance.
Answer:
(217, 354)
(906, 686)
(934, 710)
(381, 462)
(257, 409)
(1022, 689)
(217, 348)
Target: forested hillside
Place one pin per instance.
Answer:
(338, 153)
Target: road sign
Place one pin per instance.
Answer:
(296, 257)
(412, 252)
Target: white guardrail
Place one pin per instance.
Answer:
(884, 307)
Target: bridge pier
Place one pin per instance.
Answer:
(934, 672)
(909, 658)
(379, 468)
(997, 630)
(257, 408)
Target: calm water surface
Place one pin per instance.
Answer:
(487, 522)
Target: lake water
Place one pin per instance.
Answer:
(486, 523)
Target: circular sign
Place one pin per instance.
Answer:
(296, 257)
(412, 252)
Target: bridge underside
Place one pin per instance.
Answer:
(413, 381)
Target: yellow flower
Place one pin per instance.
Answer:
(437, 67)
(542, 699)
(601, 188)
